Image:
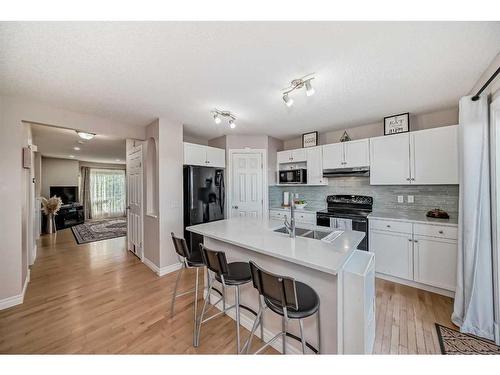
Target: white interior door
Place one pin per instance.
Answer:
(135, 201)
(247, 184)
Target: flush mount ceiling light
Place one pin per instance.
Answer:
(76, 148)
(219, 115)
(298, 84)
(85, 135)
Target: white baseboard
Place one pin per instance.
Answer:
(18, 299)
(496, 327)
(414, 284)
(161, 271)
(247, 322)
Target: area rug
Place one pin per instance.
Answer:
(98, 230)
(455, 342)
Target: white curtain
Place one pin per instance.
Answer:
(107, 193)
(473, 310)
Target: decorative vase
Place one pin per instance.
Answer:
(51, 224)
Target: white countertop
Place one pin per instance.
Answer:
(258, 235)
(305, 209)
(412, 216)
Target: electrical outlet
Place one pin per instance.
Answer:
(411, 199)
(400, 199)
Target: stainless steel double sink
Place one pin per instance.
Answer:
(307, 233)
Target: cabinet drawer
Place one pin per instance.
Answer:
(305, 217)
(277, 214)
(391, 226)
(436, 231)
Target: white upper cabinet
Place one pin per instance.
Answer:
(292, 156)
(315, 166)
(435, 156)
(204, 155)
(346, 154)
(390, 160)
(216, 157)
(333, 156)
(357, 153)
(424, 157)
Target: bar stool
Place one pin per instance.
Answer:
(188, 259)
(232, 274)
(286, 297)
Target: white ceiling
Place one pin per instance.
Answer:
(135, 72)
(59, 143)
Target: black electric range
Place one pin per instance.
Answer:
(355, 208)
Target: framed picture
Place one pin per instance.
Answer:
(309, 139)
(396, 124)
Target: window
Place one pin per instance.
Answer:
(107, 193)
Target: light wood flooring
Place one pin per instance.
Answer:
(99, 298)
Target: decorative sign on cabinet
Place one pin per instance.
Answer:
(424, 157)
(205, 156)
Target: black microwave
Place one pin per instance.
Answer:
(293, 176)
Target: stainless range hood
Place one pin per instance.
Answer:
(347, 172)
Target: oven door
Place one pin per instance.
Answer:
(359, 224)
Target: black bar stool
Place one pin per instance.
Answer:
(228, 274)
(286, 297)
(188, 259)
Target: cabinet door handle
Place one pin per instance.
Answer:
(410, 240)
(413, 179)
(415, 240)
(440, 232)
(408, 179)
(388, 226)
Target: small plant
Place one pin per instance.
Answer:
(51, 205)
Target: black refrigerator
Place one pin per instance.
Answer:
(204, 199)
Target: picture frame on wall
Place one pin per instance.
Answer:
(397, 124)
(309, 139)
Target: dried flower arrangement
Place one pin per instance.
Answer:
(51, 205)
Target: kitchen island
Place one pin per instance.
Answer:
(317, 263)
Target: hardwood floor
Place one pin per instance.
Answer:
(99, 298)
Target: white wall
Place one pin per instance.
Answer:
(417, 122)
(14, 179)
(58, 172)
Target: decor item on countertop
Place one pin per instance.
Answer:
(286, 199)
(396, 124)
(51, 207)
(345, 137)
(310, 139)
(98, 230)
(438, 214)
(452, 341)
(300, 204)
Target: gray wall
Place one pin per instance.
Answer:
(417, 122)
(384, 197)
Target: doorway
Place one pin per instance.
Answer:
(135, 201)
(247, 183)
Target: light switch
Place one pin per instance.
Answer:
(400, 199)
(411, 199)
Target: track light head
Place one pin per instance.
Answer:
(217, 119)
(288, 101)
(309, 89)
(232, 124)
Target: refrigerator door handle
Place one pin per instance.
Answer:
(191, 187)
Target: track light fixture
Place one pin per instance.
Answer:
(218, 115)
(298, 84)
(85, 135)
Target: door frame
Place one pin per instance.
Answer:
(265, 171)
(133, 150)
(495, 208)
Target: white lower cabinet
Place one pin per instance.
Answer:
(435, 261)
(401, 251)
(300, 217)
(393, 253)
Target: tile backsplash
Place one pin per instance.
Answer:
(426, 197)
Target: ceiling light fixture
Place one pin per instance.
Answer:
(218, 115)
(72, 156)
(298, 84)
(76, 148)
(85, 135)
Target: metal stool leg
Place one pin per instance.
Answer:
(283, 328)
(237, 302)
(200, 318)
(302, 339)
(175, 290)
(195, 310)
(319, 331)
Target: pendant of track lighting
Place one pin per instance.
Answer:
(298, 84)
(219, 115)
(288, 101)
